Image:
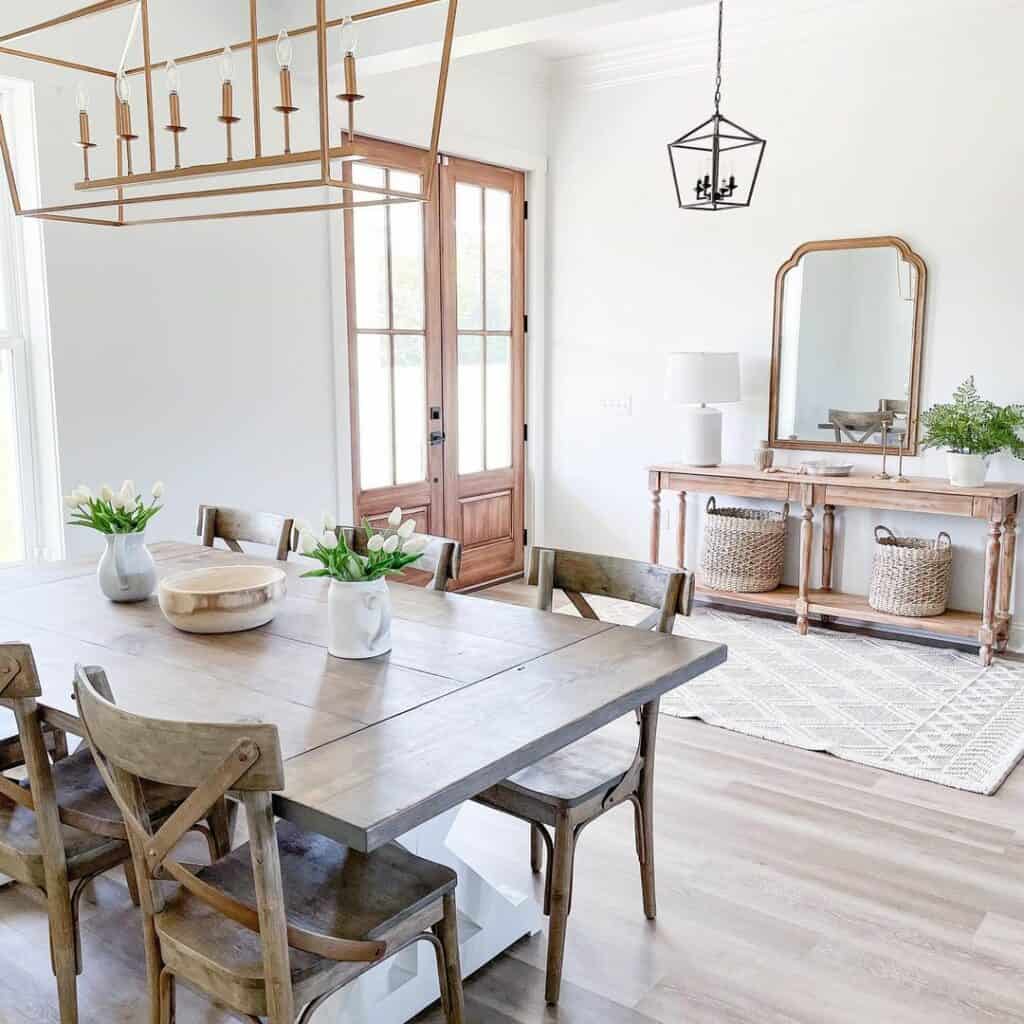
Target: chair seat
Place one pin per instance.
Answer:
(328, 888)
(572, 775)
(80, 789)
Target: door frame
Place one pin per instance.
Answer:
(534, 164)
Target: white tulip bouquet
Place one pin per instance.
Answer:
(123, 511)
(389, 551)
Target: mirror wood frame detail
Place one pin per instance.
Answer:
(913, 411)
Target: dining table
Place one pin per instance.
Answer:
(389, 748)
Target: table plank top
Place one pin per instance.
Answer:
(473, 690)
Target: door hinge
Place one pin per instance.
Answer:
(526, 323)
(526, 210)
(526, 538)
(526, 432)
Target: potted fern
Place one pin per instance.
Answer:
(972, 430)
(358, 601)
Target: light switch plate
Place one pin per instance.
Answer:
(618, 405)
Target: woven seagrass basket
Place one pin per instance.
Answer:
(910, 576)
(744, 549)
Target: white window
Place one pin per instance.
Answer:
(30, 508)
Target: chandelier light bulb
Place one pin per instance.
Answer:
(226, 65)
(173, 78)
(284, 50)
(124, 90)
(349, 36)
(82, 100)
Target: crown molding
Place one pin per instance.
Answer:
(787, 26)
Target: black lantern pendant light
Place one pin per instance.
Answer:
(715, 166)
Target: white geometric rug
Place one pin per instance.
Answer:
(927, 712)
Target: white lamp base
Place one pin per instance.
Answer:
(702, 436)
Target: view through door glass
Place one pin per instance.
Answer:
(436, 340)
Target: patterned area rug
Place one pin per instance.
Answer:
(926, 712)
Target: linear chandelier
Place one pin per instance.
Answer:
(112, 212)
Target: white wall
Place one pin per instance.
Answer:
(881, 118)
(205, 354)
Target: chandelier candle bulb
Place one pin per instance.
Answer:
(226, 67)
(124, 120)
(351, 95)
(287, 106)
(174, 98)
(85, 142)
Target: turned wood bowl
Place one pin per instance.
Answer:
(223, 598)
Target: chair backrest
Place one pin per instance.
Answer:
(576, 573)
(209, 759)
(232, 525)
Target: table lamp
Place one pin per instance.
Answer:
(695, 379)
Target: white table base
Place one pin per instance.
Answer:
(492, 916)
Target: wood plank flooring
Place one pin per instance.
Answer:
(793, 887)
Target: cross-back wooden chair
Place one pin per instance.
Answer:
(235, 525)
(282, 922)
(578, 784)
(60, 828)
(441, 562)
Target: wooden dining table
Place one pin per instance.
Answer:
(377, 750)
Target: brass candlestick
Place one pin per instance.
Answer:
(286, 107)
(84, 142)
(124, 130)
(351, 96)
(176, 127)
(900, 478)
(886, 423)
(227, 114)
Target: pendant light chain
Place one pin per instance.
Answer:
(718, 69)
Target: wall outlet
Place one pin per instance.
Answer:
(617, 405)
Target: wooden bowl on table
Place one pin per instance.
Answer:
(223, 598)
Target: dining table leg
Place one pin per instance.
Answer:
(987, 633)
(1004, 591)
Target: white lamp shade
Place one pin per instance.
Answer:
(703, 377)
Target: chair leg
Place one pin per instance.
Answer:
(168, 997)
(561, 894)
(132, 882)
(448, 933)
(63, 954)
(644, 821)
(536, 849)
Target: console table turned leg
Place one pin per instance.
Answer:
(681, 532)
(806, 540)
(1005, 586)
(827, 545)
(987, 633)
(655, 523)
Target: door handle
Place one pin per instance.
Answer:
(436, 438)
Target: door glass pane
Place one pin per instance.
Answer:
(410, 409)
(498, 208)
(407, 256)
(12, 536)
(375, 458)
(369, 231)
(471, 404)
(499, 403)
(468, 256)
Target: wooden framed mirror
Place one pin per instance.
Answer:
(848, 330)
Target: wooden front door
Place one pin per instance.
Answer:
(436, 327)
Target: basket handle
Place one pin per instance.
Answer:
(711, 504)
(892, 536)
(948, 539)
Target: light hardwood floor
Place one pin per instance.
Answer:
(791, 887)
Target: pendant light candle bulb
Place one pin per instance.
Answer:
(173, 79)
(349, 37)
(82, 100)
(124, 90)
(284, 50)
(226, 65)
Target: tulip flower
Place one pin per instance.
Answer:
(158, 489)
(407, 529)
(71, 501)
(106, 494)
(307, 542)
(127, 493)
(328, 522)
(390, 546)
(395, 519)
(112, 512)
(415, 545)
(375, 543)
(82, 493)
(329, 540)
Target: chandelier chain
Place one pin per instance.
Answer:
(718, 68)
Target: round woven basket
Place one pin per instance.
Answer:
(910, 575)
(744, 549)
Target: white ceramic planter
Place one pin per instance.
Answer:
(126, 571)
(966, 470)
(359, 619)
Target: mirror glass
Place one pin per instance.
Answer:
(846, 332)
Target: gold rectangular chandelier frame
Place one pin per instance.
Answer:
(322, 156)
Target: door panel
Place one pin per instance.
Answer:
(394, 325)
(483, 275)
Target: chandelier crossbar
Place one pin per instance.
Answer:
(324, 155)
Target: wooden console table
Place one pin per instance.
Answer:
(995, 504)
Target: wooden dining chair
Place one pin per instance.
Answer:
(234, 525)
(59, 827)
(282, 922)
(576, 785)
